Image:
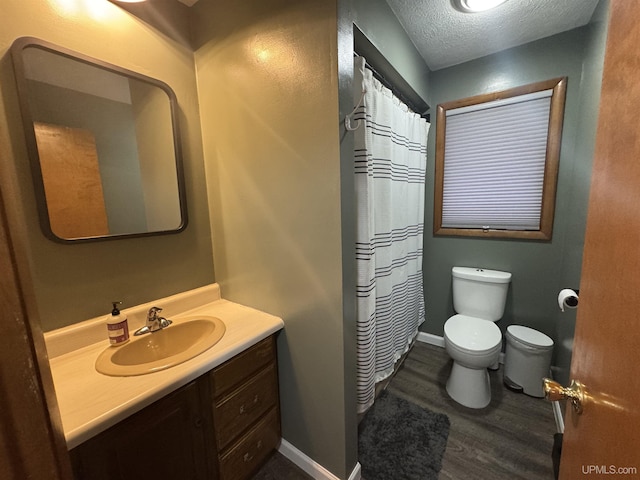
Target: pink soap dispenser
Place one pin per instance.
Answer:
(117, 326)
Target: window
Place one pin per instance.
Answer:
(497, 162)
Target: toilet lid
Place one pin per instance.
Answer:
(472, 333)
(529, 336)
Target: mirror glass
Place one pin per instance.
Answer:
(103, 145)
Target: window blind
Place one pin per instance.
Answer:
(494, 163)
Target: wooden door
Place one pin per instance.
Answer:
(604, 442)
(72, 181)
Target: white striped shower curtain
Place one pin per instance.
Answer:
(390, 164)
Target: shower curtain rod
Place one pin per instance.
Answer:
(381, 78)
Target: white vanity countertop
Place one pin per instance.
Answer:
(90, 402)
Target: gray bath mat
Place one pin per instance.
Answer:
(399, 440)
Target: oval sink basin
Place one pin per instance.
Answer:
(151, 352)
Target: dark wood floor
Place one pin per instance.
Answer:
(280, 468)
(510, 439)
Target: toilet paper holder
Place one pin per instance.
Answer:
(568, 297)
(573, 301)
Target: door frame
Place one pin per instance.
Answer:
(32, 443)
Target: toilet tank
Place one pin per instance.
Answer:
(480, 293)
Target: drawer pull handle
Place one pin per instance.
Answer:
(247, 457)
(244, 408)
(264, 352)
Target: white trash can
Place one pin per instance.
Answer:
(527, 359)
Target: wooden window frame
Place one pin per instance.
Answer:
(554, 138)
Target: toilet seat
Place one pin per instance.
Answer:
(474, 335)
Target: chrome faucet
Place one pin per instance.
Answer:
(154, 322)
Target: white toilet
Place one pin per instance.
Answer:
(471, 338)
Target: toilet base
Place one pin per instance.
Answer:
(469, 386)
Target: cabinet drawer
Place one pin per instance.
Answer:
(237, 369)
(235, 412)
(244, 457)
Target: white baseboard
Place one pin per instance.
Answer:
(312, 468)
(431, 339)
(557, 408)
(558, 417)
(438, 341)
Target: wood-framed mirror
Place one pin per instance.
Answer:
(103, 143)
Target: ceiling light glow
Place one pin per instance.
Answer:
(472, 6)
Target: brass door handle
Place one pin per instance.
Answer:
(553, 391)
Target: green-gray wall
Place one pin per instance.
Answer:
(540, 269)
(268, 99)
(574, 237)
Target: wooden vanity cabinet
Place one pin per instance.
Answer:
(166, 440)
(246, 410)
(222, 426)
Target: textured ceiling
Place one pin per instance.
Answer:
(446, 37)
